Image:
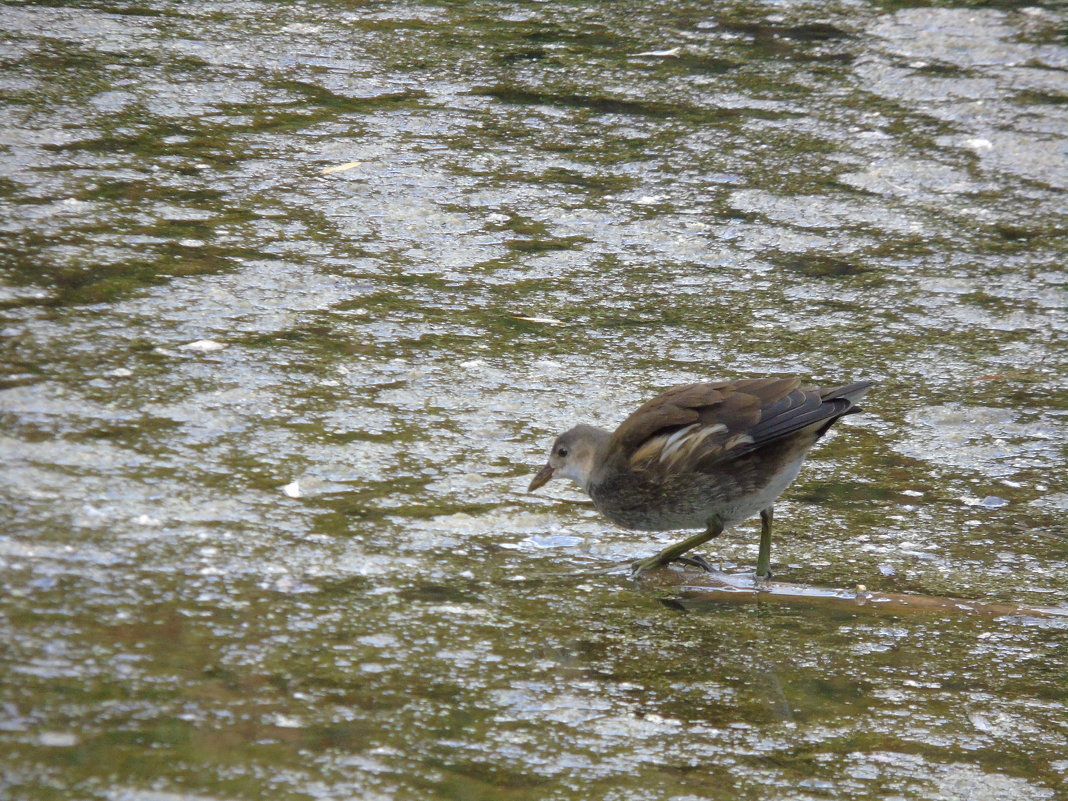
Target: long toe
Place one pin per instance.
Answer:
(643, 566)
(696, 561)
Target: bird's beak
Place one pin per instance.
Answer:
(541, 478)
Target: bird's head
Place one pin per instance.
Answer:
(575, 455)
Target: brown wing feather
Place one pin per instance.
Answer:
(676, 407)
(695, 427)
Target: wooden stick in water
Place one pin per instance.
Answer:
(699, 588)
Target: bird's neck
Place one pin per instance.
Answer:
(600, 460)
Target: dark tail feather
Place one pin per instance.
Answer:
(846, 397)
(851, 392)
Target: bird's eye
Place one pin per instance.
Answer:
(561, 452)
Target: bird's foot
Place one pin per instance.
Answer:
(643, 566)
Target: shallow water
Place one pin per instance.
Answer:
(267, 431)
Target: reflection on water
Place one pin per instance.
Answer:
(299, 562)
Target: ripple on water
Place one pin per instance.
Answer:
(992, 441)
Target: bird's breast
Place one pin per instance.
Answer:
(654, 502)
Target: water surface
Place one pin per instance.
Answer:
(267, 431)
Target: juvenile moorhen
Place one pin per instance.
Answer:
(702, 456)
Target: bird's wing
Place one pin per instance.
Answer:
(693, 428)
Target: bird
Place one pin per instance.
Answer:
(701, 456)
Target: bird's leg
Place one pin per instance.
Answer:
(763, 570)
(714, 527)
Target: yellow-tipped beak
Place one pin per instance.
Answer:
(541, 478)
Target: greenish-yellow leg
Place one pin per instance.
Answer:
(764, 555)
(673, 552)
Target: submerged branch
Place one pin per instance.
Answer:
(699, 588)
